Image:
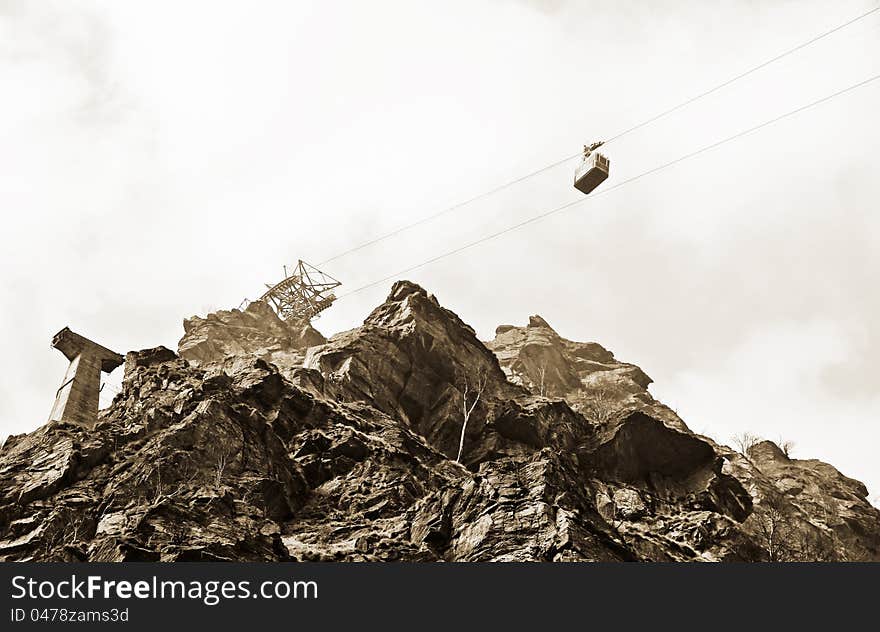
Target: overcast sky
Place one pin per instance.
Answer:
(164, 160)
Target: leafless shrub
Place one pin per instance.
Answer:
(67, 528)
(220, 466)
(745, 441)
(817, 546)
(179, 533)
(784, 537)
(223, 456)
(155, 486)
(159, 485)
(786, 445)
(49, 543)
(74, 529)
(601, 407)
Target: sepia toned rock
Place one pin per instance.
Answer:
(260, 440)
(256, 331)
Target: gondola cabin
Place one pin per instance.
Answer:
(592, 172)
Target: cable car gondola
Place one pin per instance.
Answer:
(593, 169)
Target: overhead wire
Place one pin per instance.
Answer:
(620, 184)
(742, 75)
(648, 121)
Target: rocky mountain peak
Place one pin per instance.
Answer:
(409, 304)
(413, 359)
(767, 451)
(539, 323)
(538, 358)
(407, 438)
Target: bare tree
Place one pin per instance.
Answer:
(776, 534)
(786, 445)
(543, 375)
(784, 537)
(471, 392)
(745, 441)
(158, 488)
(817, 546)
(223, 459)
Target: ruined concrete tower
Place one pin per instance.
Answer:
(77, 398)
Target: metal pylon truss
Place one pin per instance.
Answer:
(302, 295)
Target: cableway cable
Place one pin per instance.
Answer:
(620, 184)
(648, 121)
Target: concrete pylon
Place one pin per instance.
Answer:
(77, 398)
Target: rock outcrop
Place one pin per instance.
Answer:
(234, 337)
(261, 440)
(585, 374)
(413, 359)
(805, 508)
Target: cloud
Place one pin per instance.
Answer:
(166, 162)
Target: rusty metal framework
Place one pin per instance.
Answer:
(302, 295)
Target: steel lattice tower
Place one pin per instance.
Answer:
(302, 295)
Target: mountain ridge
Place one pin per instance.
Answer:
(263, 440)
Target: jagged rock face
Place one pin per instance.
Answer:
(534, 508)
(414, 360)
(809, 508)
(236, 337)
(585, 374)
(249, 447)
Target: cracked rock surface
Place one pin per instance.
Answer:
(260, 440)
